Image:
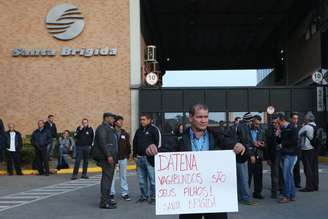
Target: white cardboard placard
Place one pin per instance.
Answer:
(196, 182)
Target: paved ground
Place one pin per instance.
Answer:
(58, 197)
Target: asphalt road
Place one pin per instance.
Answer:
(57, 196)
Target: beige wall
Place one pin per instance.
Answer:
(68, 87)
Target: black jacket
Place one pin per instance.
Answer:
(84, 137)
(145, 137)
(184, 144)
(52, 128)
(240, 133)
(105, 144)
(124, 145)
(18, 141)
(258, 152)
(41, 138)
(288, 140)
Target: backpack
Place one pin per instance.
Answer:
(319, 137)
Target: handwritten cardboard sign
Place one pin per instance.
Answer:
(196, 182)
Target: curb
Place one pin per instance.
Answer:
(67, 171)
(323, 160)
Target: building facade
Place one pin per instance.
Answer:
(71, 79)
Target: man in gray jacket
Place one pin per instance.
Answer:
(105, 153)
(309, 154)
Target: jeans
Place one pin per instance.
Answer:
(62, 157)
(242, 182)
(288, 162)
(145, 173)
(74, 152)
(82, 153)
(51, 147)
(123, 165)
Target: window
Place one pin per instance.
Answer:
(214, 118)
(171, 121)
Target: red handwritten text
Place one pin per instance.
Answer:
(177, 162)
(189, 178)
(219, 177)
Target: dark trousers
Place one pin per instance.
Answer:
(1, 152)
(277, 180)
(256, 171)
(106, 180)
(82, 153)
(206, 216)
(13, 159)
(311, 169)
(42, 159)
(297, 173)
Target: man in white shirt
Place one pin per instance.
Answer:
(13, 143)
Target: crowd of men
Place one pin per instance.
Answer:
(282, 145)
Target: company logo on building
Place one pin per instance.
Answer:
(65, 22)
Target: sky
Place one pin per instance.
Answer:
(213, 78)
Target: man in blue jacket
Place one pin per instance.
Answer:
(41, 138)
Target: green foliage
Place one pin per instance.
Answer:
(28, 151)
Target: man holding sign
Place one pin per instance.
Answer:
(199, 138)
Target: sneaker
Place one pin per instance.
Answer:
(74, 177)
(84, 177)
(126, 197)
(141, 200)
(284, 200)
(112, 200)
(248, 202)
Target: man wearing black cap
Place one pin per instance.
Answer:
(124, 153)
(105, 153)
(240, 133)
